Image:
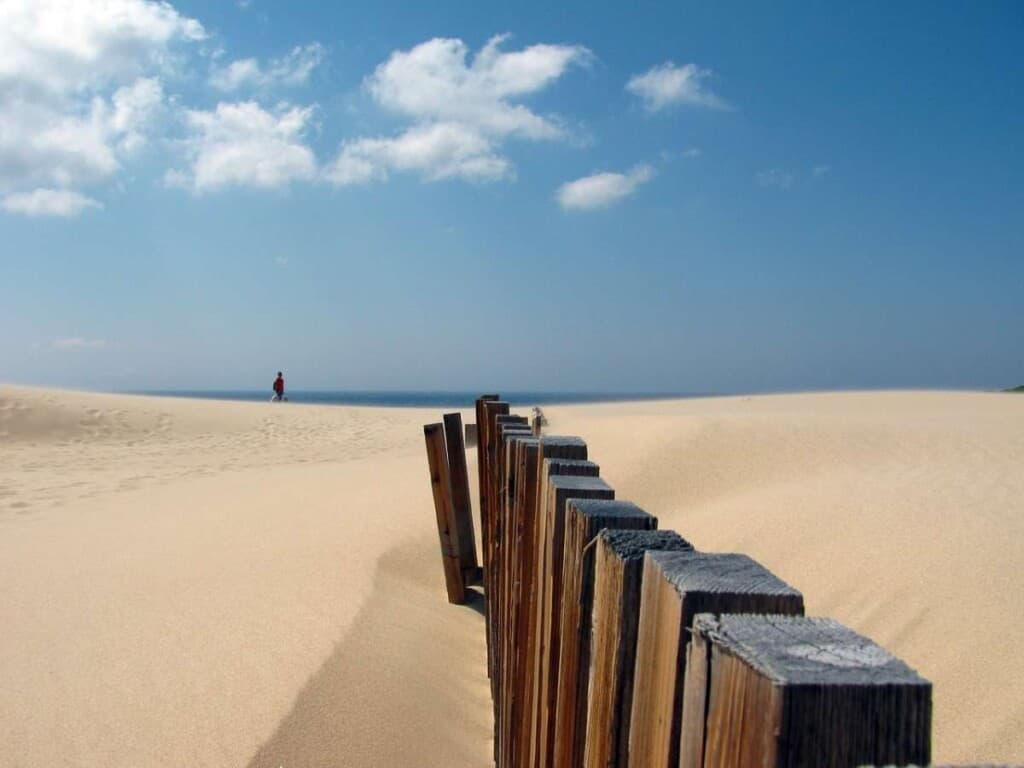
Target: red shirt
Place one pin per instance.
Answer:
(279, 385)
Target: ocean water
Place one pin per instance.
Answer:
(422, 399)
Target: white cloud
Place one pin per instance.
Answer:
(281, 261)
(820, 170)
(62, 46)
(668, 85)
(134, 109)
(601, 190)
(77, 342)
(437, 151)
(775, 178)
(292, 69)
(461, 110)
(432, 81)
(80, 85)
(48, 202)
(243, 144)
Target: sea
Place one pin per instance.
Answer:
(422, 399)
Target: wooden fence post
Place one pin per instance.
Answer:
(545, 456)
(560, 489)
(440, 484)
(618, 576)
(501, 427)
(481, 466)
(557, 455)
(515, 437)
(485, 434)
(676, 586)
(461, 505)
(784, 690)
(584, 518)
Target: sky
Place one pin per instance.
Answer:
(656, 197)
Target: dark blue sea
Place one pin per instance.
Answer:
(424, 399)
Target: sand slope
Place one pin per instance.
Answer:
(246, 584)
(900, 514)
(222, 584)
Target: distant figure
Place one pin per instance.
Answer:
(279, 387)
(538, 421)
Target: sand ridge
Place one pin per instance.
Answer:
(204, 583)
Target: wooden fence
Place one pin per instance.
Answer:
(613, 643)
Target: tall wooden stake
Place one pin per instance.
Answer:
(440, 484)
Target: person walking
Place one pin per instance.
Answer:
(279, 387)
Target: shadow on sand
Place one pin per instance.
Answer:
(406, 686)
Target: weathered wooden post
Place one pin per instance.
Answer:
(547, 456)
(515, 437)
(503, 428)
(440, 484)
(557, 456)
(676, 587)
(486, 433)
(794, 691)
(618, 576)
(519, 448)
(462, 507)
(584, 518)
(560, 488)
(481, 464)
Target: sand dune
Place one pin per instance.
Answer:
(244, 584)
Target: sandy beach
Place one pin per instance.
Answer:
(207, 583)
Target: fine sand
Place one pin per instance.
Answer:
(199, 583)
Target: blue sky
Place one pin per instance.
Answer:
(657, 197)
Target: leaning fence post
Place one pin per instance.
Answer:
(461, 505)
(440, 484)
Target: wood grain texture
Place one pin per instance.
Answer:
(560, 489)
(508, 427)
(618, 575)
(677, 586)
(556, 455)
(440, 485)
(791, 691)
(462, 506)
(584, 519)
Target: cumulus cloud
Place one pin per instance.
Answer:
(243, 144)
(433, 81)
(61, 46)
(775, 178)
(601, 190)
(668, 85)
(80, 85)
(48, 202)
(77, 342)
(436, 151)
(461, 109)
(290, 70)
